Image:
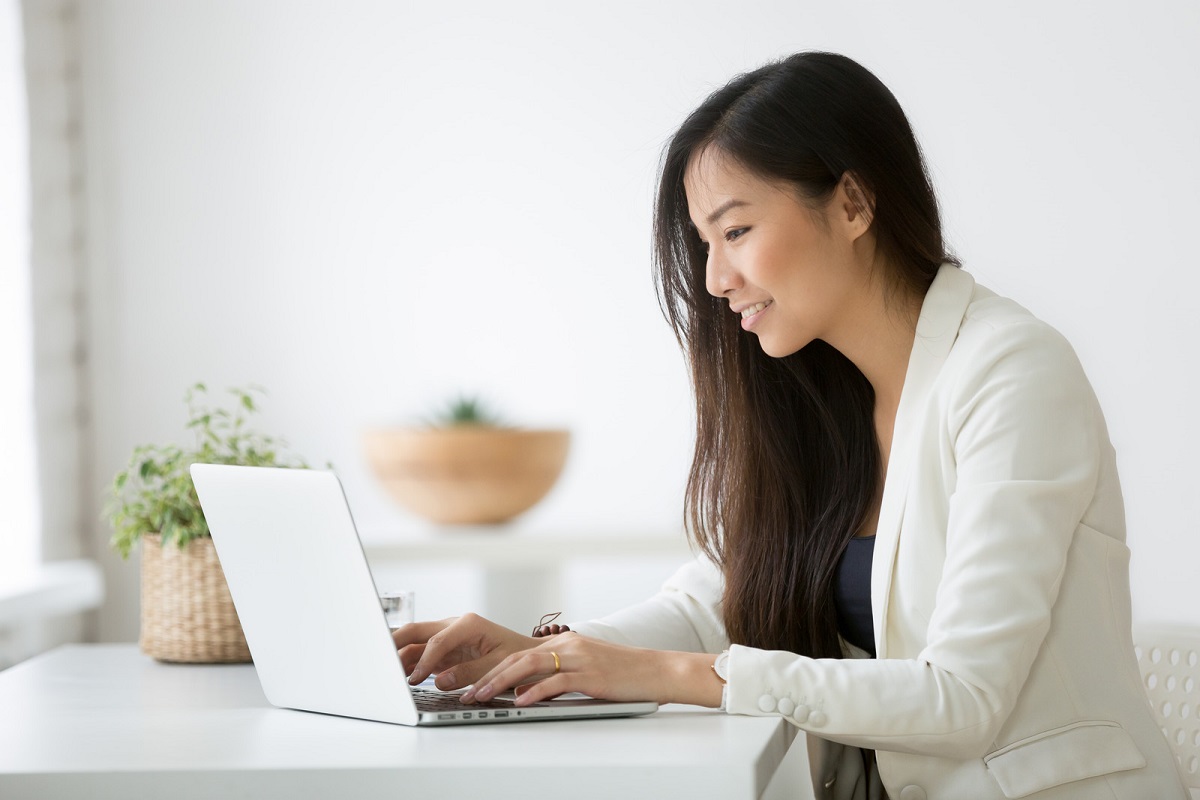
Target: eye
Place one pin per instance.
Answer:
(735, 234)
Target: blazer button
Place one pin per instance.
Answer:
(786, 706)
(801, 714)
(818, 718)
(766, 704)
(912, 792)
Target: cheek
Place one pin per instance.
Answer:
(771, 264)
(795, 278)
(795, 252)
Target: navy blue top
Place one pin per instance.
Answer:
(852, 593)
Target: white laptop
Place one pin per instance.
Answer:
(310, 611)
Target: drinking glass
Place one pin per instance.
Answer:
(398, 607)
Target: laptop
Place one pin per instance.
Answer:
(311, 613)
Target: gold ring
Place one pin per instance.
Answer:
(557, 663)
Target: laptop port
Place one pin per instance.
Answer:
(500, 714)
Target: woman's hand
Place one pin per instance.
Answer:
(459, 649)
(573, 663)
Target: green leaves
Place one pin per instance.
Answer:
(466, 410)
(154, 493)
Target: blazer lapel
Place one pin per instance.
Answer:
(941, 316)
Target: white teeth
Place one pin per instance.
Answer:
(754, 309)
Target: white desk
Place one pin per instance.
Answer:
(104, 721)
(522, 568)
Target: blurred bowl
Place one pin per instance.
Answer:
(468, 475)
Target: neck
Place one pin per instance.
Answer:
(878, 337)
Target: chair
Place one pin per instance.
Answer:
(1169, 659)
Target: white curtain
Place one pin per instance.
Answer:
(44, 421)
(58, 249)
(20, 548)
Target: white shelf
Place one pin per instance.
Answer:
(522, 568)
(505, 546)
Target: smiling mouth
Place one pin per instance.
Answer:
(754, 309)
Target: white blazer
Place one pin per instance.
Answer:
(1000, 588)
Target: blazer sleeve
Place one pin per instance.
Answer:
(1025, 432)
(684, 615)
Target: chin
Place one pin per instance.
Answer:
(776, 349)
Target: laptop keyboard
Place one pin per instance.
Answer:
(432, 700)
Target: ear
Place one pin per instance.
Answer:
(855, 204)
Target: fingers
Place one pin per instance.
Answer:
(459, 650)
(543, 690)
(449, 675)
(464, 673)
(409, 656)
(418, 632)
(410, 640)
(518, 669)
(450, 649)
(422, 646)
(436, 657)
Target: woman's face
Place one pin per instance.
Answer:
(791, 278)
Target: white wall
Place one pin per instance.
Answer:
(366, 207)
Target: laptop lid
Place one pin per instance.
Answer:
(309, 607)
(303, 591)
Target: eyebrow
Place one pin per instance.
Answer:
(720, 210)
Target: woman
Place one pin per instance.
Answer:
(902, 483)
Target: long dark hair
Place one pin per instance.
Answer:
(787, 460)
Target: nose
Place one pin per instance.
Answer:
(720, 278)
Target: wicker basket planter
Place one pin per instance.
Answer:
(187, 612)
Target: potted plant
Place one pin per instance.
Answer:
(187, 613)
(465, 466)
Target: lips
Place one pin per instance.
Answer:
(752, 314)
(750, 311)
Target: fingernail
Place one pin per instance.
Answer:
(468, 695)
(415, 678)
(485, 693)
(445, 680)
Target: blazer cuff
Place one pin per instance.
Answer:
(757, 689)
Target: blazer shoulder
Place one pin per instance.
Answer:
(996, 329)
(1006, 353)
